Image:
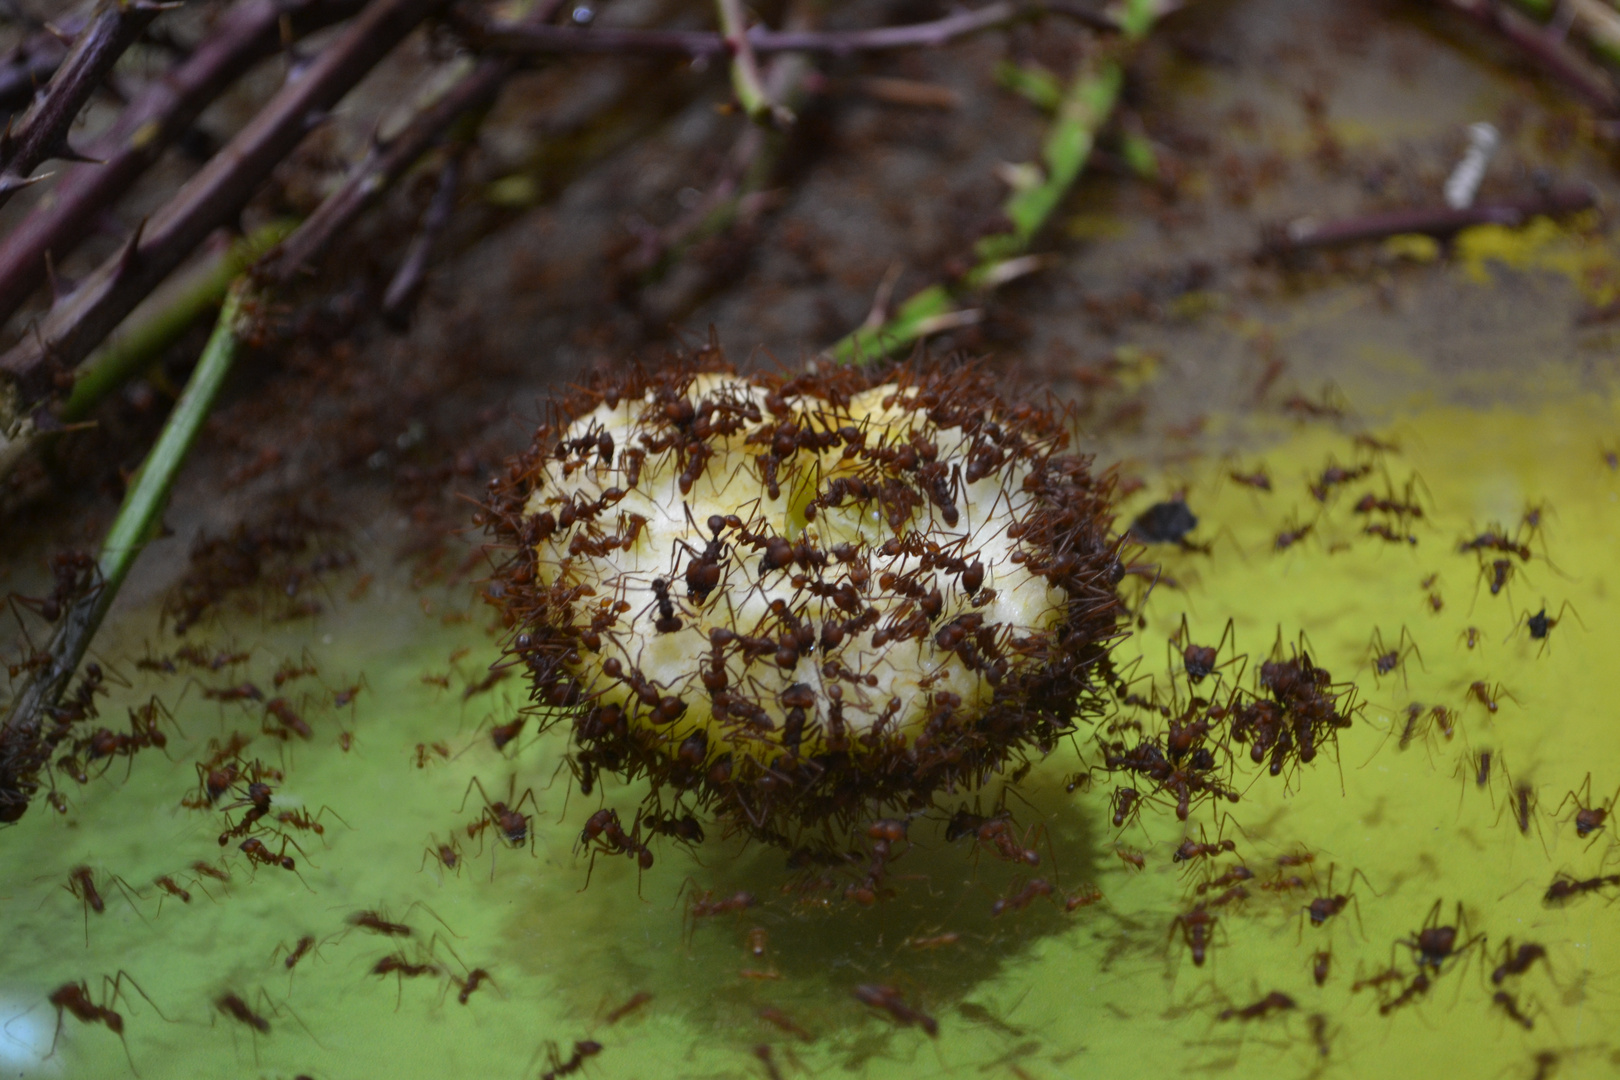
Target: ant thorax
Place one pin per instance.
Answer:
(779, 580)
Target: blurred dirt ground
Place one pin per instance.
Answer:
(1155, 319)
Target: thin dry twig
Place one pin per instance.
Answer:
(1546, 51)
(302, 251)
(42, 133)
(159, 114)
(1436, 221)
(406, 284)
(211, 199)
(536, 40)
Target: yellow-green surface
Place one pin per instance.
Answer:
(1103, 991)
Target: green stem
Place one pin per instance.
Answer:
(1083, 109)
(132, 352)
(746, 82)
(136, 521)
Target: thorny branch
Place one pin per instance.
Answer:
(42, 134)
(27, 67)
(302, 251)
(474, 93)
(166, 108)
(211, 199)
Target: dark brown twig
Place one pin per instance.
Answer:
(211, 199)
(1549, 53)
(1436, 221)
(407, 282)
(42, 133)
(166, 108)
(302, 251)
(537, 40)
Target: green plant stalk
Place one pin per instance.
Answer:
(746, 82)
(1085, 106)
(134, 351)
(137, 518)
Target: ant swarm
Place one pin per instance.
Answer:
(801, 602)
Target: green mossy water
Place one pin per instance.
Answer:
(1105, 990)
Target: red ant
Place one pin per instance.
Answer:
(1191, 849)
(1517, 961)
(1197, 931)
(603, 832)
(448, 855)
(468, 986)
(1588, 819)
(1276, 1001)
(279, 708)
(1131, 858)
(225, 694)
(300, 819)
(345, 697)
(1487, 695)
(1540, 625)
(1292, 535)
(1433, 945)
(206, 870)
(1510, 1005)
(583, 1048)
(514, 826)
(1419, 986)
(259, 855)
(401, 967)
(74, 997)
(1023, 898)
(636, 1001)
(785, 1023)
(1085, 897)
(1387, 659)
(1199, 661)
(289, 670)
(1127, 803)
(1259, 480)
(1524, 804)
(891, 1001)
(1321, 966)
(296, 953)
(1231, 877)
(1329, 904)
(702, 905)
(81, 884)
(1565, 886)
(1334, 476)
(172, 888)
